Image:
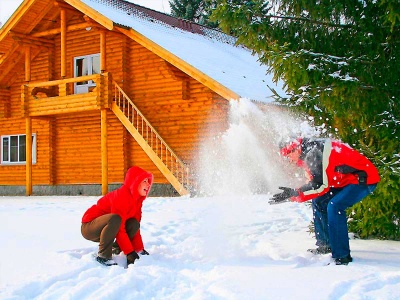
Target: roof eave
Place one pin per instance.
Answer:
(15, 17)
(93, 14)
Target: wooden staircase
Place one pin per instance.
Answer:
(176, 172)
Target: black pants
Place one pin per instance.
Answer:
(104, 229)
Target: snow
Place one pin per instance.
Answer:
(7, 7)
(232, 247)
(227, 243)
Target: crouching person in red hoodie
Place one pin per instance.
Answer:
(114, 221)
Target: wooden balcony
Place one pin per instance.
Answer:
(58, 96)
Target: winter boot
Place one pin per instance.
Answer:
(321, 250)
(105, 261)
(344, 260)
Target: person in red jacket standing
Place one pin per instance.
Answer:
(116, 216)
(339, 177)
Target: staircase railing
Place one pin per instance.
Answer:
(151, 136)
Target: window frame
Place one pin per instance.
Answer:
(9, 162)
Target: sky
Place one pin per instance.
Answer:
(7, 7)
(228, 244)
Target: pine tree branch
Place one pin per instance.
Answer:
(330, 24)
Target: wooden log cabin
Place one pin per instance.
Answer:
(89, 88)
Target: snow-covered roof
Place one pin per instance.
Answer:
(207, 50)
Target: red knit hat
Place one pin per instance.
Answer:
(291, 146)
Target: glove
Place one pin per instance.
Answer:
(131, 257)
(144, 252)
(284, 196)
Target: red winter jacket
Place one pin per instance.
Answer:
(332, 164)
(127, 203)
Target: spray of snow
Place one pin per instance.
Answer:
(244, 159)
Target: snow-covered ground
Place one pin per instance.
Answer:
(230, 243)
(227, 247)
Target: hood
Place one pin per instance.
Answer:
(289, 146)
(134, 177)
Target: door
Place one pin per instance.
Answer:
(86, 65)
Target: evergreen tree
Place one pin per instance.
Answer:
(186, 9)
(197, 11)
(340, 61)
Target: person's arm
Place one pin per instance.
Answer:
(319, 185)
(137, 242)
(119, 206)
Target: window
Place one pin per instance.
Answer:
(86, 65)
(13, 149)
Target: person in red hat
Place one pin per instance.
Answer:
(115, 219)
(339, 177)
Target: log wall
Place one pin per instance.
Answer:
(5, 103)
(181, 109)
(157, 89)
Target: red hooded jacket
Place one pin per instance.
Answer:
(332, 164)
(127, 203)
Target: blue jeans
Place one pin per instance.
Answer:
(330, 221)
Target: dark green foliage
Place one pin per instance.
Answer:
(193, 10)
(186, 9)
(340, 60)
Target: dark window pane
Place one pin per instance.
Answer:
(22, 148)
(14, 149)
(81, 69)
(6, 143)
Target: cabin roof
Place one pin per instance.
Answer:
(208, 50)
(205, 54)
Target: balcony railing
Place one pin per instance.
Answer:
(59, 97)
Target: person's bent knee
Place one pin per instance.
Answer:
(115, 220)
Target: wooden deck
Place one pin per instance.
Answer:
(58, 97)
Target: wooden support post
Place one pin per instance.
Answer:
(27, 64)
(102, 51)
(28, 122)
(52, 151)
(104, 152)
(63, 42)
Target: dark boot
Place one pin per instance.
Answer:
(343, 260)
(106, 262)
(321, 250)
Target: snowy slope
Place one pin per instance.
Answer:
(201, 248)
